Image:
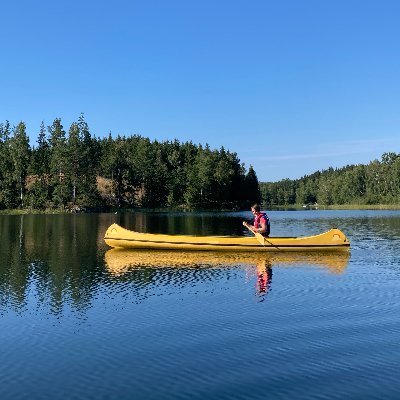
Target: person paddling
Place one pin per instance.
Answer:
(261, 222)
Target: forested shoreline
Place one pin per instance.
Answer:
(77, 171)
(377, 183)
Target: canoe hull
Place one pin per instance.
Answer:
(116, 236)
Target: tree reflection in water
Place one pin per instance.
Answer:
(60, 262)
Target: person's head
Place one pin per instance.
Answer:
(255, 208)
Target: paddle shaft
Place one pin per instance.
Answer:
(258, 235)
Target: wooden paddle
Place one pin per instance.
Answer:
(259, 237)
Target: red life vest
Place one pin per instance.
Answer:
(257, 223)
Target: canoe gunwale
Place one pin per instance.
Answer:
(249, 246)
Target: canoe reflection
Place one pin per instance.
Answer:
(120, 261)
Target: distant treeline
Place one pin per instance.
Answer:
(76, 170)
(375, 183)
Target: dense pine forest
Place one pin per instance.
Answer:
(77, 171)
(372, 184)
(74, 170)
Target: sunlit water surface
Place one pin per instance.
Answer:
(81, 321)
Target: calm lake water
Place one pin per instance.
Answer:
(81, 321)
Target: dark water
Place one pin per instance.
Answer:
(81, 322)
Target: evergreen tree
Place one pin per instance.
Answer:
(324, 195)
(75, 159)
(40, 163)
(20, 153)
(199, 191)
(61, 192)
(38, 196)
(8, 197)
(81, 154)
(174, 161)
(252, 188)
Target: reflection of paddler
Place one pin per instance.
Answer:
(264, 277)
(119, 261)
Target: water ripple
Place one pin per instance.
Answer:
(91, 324)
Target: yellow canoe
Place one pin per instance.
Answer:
(333, 240)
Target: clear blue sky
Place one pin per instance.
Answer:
(291, 86)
